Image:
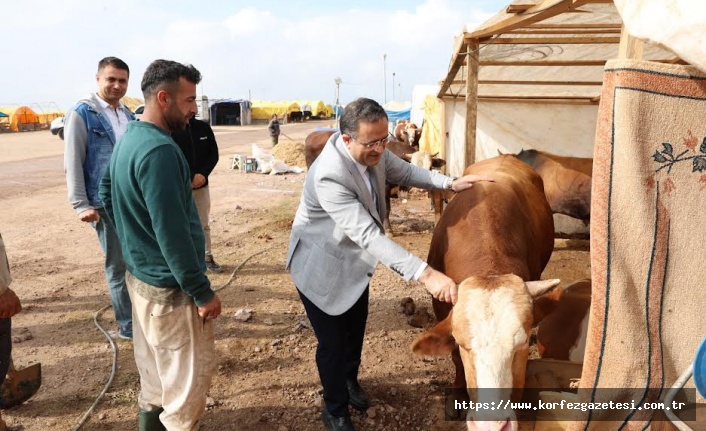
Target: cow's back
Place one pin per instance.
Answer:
(314, 143)
(567, 181)
(497, 227)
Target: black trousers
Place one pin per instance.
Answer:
(340, 346)
(5, 346)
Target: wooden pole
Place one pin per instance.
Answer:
(471, 102)
(630, 47)
(469, 156)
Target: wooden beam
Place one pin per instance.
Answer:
(565, 31)
(541, 11)
(534, 82)
(542, 62)
(550, 40)
(518, 7)
(538, 97)
(457, 61)
(507, 82)
(560, 62)
(630, 47)
(540, 101)
(576, 26)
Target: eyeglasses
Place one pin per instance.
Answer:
(376, 143)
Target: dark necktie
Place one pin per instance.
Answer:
(372, 190)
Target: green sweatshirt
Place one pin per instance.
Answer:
(147, 194)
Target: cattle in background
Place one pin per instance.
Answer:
(400, 131)
(562, 333)
(408, 132)
(495, 240)
(567, 181)
(315, 141)
(414, 133)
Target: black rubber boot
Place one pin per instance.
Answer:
(149, 420)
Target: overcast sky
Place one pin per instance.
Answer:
(268, 49)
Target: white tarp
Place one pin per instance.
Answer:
(565, 130)
(679, 25)
(395, 105)
(419, 93)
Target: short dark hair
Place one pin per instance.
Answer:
(115, 62)
(166, 73)
(361, 109)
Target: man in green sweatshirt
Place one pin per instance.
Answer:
(147, 194)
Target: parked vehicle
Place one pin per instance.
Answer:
(56, 127)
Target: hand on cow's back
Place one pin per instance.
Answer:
(467, 181)
(439, 285)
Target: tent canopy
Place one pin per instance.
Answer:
(21, 117)
(317, 107)
(551, 50)
(230, 112)
(263, 110)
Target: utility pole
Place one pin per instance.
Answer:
(393, 86)
(338, 82)
(384, 75)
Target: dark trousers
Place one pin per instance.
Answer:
(340, 346)
(5, 346)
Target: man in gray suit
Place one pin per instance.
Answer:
(338, 239)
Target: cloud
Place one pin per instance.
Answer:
(271, 53)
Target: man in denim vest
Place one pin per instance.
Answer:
(91, 130)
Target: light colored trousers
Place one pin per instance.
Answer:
(202, 197)
(175, 355)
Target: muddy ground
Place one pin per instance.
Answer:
(266, 376)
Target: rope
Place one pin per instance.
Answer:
(112, 372)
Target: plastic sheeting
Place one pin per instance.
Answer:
(431, 139)
(679, 25)
(419, 95)
(511, 127)
(394, 116)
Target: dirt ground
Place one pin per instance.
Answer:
(266, 376)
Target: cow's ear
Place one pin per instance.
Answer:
(540, 287)
(436, 341)
(545, 305)
(438, 163)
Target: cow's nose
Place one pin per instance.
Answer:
(506, 425)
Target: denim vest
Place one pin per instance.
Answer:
(99, 147)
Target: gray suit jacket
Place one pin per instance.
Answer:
(337, 235)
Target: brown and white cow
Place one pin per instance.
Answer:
(567, 181)
(495, 240)
(314, 144)
(562, 333)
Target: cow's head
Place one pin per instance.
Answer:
(425, 160)
(412, 134)
(490, 324)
